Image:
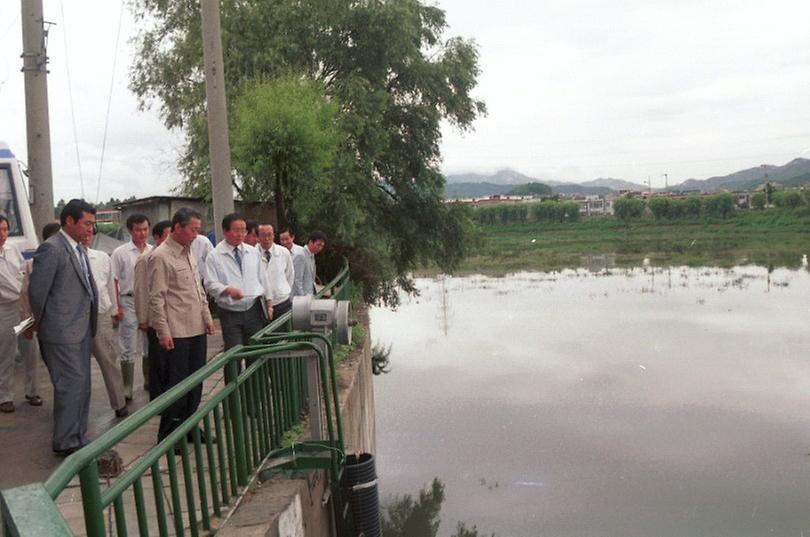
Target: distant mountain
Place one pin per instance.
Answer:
(474, 190)
(614, 184)
(505, 176)
(467, 185)
(794, 173)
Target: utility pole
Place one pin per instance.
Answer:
(218, 144)
(666, 181)
(35, 69)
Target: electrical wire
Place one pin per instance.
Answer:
(70, 98)
(109, 101)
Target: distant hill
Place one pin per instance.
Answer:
(614, 184)
(467, 185)
(505, 176)
(474, 190)
(794, 173)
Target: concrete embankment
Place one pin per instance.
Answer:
(291, 505)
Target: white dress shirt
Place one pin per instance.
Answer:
(200, 248)
(280, 273)
(101, 266)
(12, 273)
(221, 271)
(123, 266)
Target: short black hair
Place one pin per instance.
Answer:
(230, 219)
(157, 229)
(49, 229)
(317, 236)
(75, 208)
(136, 218)
(286, 229)
(252, 225)
(183, 217)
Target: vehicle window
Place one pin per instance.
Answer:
(8, 202)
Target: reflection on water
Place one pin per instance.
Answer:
(406, 516)
(618, 402)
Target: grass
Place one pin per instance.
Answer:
(771, 237)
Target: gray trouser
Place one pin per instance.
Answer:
(105, 347)
(132, 341)
(10, 316)
(69, 367)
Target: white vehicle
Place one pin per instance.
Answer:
(14, 204)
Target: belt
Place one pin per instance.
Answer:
(128, 294)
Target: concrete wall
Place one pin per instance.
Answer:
(291, 506)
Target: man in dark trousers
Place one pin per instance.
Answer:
(178, 311)
(64, 303)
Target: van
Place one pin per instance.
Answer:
(14, 204)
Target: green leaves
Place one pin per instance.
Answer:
(336, 108)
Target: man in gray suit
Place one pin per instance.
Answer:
(64, 303)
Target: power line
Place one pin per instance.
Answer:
(70, 99)
(109, 101)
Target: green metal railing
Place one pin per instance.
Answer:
(231, 435)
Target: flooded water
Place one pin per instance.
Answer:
(641, 402)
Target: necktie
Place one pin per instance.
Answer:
(238, 258)
(267, 255)
(85, 264)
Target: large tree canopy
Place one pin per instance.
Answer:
(394, 77)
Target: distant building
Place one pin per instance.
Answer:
(158, 208)
(107, 216)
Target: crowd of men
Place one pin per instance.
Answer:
(155, 297)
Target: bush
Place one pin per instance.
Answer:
(692, 207)
(787, 199)
(628, 208)
(661, 208)
(758, 200)
(719, 205)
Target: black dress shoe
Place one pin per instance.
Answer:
(34, 400)
(122, 412)
(65, 452)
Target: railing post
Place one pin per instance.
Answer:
(91, 500)
(237, 423)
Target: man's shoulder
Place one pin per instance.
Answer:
(97, 254)
(279, 250)
(121, 249)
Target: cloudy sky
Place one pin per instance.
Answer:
(576, 90)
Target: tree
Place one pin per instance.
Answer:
(285, 138)
(394, 77)
(627, 209)
(531, 189)
(660, 207)
(787, 199)
(719, 205)
(758, 200)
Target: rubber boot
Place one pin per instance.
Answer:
(146, 373)
(128, 374)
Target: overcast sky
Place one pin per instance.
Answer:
(576, 90)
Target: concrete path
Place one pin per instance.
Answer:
(25, 435)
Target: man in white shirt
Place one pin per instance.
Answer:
(13, 309)
(104, 344)
(287, 239)
(235, 278)
(304, 264)
(200, 248)
(277, 262)
(132, 341)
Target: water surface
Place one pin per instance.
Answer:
(635, 402)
